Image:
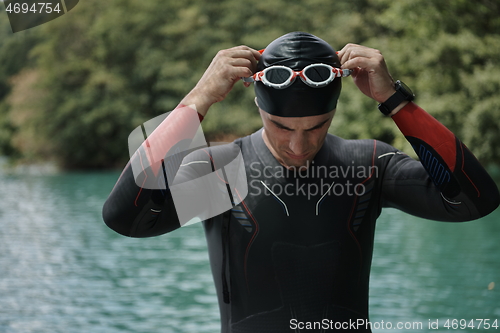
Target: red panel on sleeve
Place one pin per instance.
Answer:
(413, 121)
(180, 106)
(181, 124)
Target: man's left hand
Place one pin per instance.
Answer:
(370, 71)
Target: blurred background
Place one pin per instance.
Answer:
(73, 89)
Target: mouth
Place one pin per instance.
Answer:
(297, 157)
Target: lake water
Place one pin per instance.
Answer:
(62, 270)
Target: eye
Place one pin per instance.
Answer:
(314, 129)
(282, 127)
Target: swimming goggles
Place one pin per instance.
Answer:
(314, 75)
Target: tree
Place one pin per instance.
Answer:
(108, 66)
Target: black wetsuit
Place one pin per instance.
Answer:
(291, 252)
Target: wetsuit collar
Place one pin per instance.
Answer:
(268, 159)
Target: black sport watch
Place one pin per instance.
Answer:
(403, 93)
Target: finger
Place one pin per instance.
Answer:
(256, 54)
(351, 51)
(345, 51)
(356, 63)
(244, 62)
(247, 53)
(236, 73)
(356, 71)
(366, 62)
(240, 62)
(348, 55)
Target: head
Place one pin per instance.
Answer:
(294, 141)
(296, 119)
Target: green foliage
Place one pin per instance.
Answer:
(448, 52)
(14, 56)
(107, 66)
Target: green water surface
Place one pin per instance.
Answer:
(62, 270)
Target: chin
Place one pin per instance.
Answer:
(297, 163)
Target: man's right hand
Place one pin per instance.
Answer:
(227, 67)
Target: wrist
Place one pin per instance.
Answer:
(398, 108)
(397, 100)
(382, 98)
(201, 100)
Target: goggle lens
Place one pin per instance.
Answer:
(318, 74)
(314, 75)
(278, 75)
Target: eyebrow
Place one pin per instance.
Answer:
(289, 129)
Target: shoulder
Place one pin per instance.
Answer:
(213, 157)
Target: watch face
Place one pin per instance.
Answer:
(404, 89)
(403, 93)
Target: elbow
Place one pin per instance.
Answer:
(490, 202)
(136, 223)
(114, 221)
(474, 206)
(486, 202)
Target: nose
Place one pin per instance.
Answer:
(298, 144)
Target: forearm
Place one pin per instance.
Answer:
(140, 204)
(137, 212)
(449, 163)
(200, 99)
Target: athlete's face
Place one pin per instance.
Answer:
(294, 141)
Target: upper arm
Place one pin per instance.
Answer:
(407, 186)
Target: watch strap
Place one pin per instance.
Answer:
(397, 98)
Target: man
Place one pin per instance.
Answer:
(295, 253)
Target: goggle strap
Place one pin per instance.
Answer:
(343, 72)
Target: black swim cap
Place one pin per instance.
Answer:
(297, 50)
